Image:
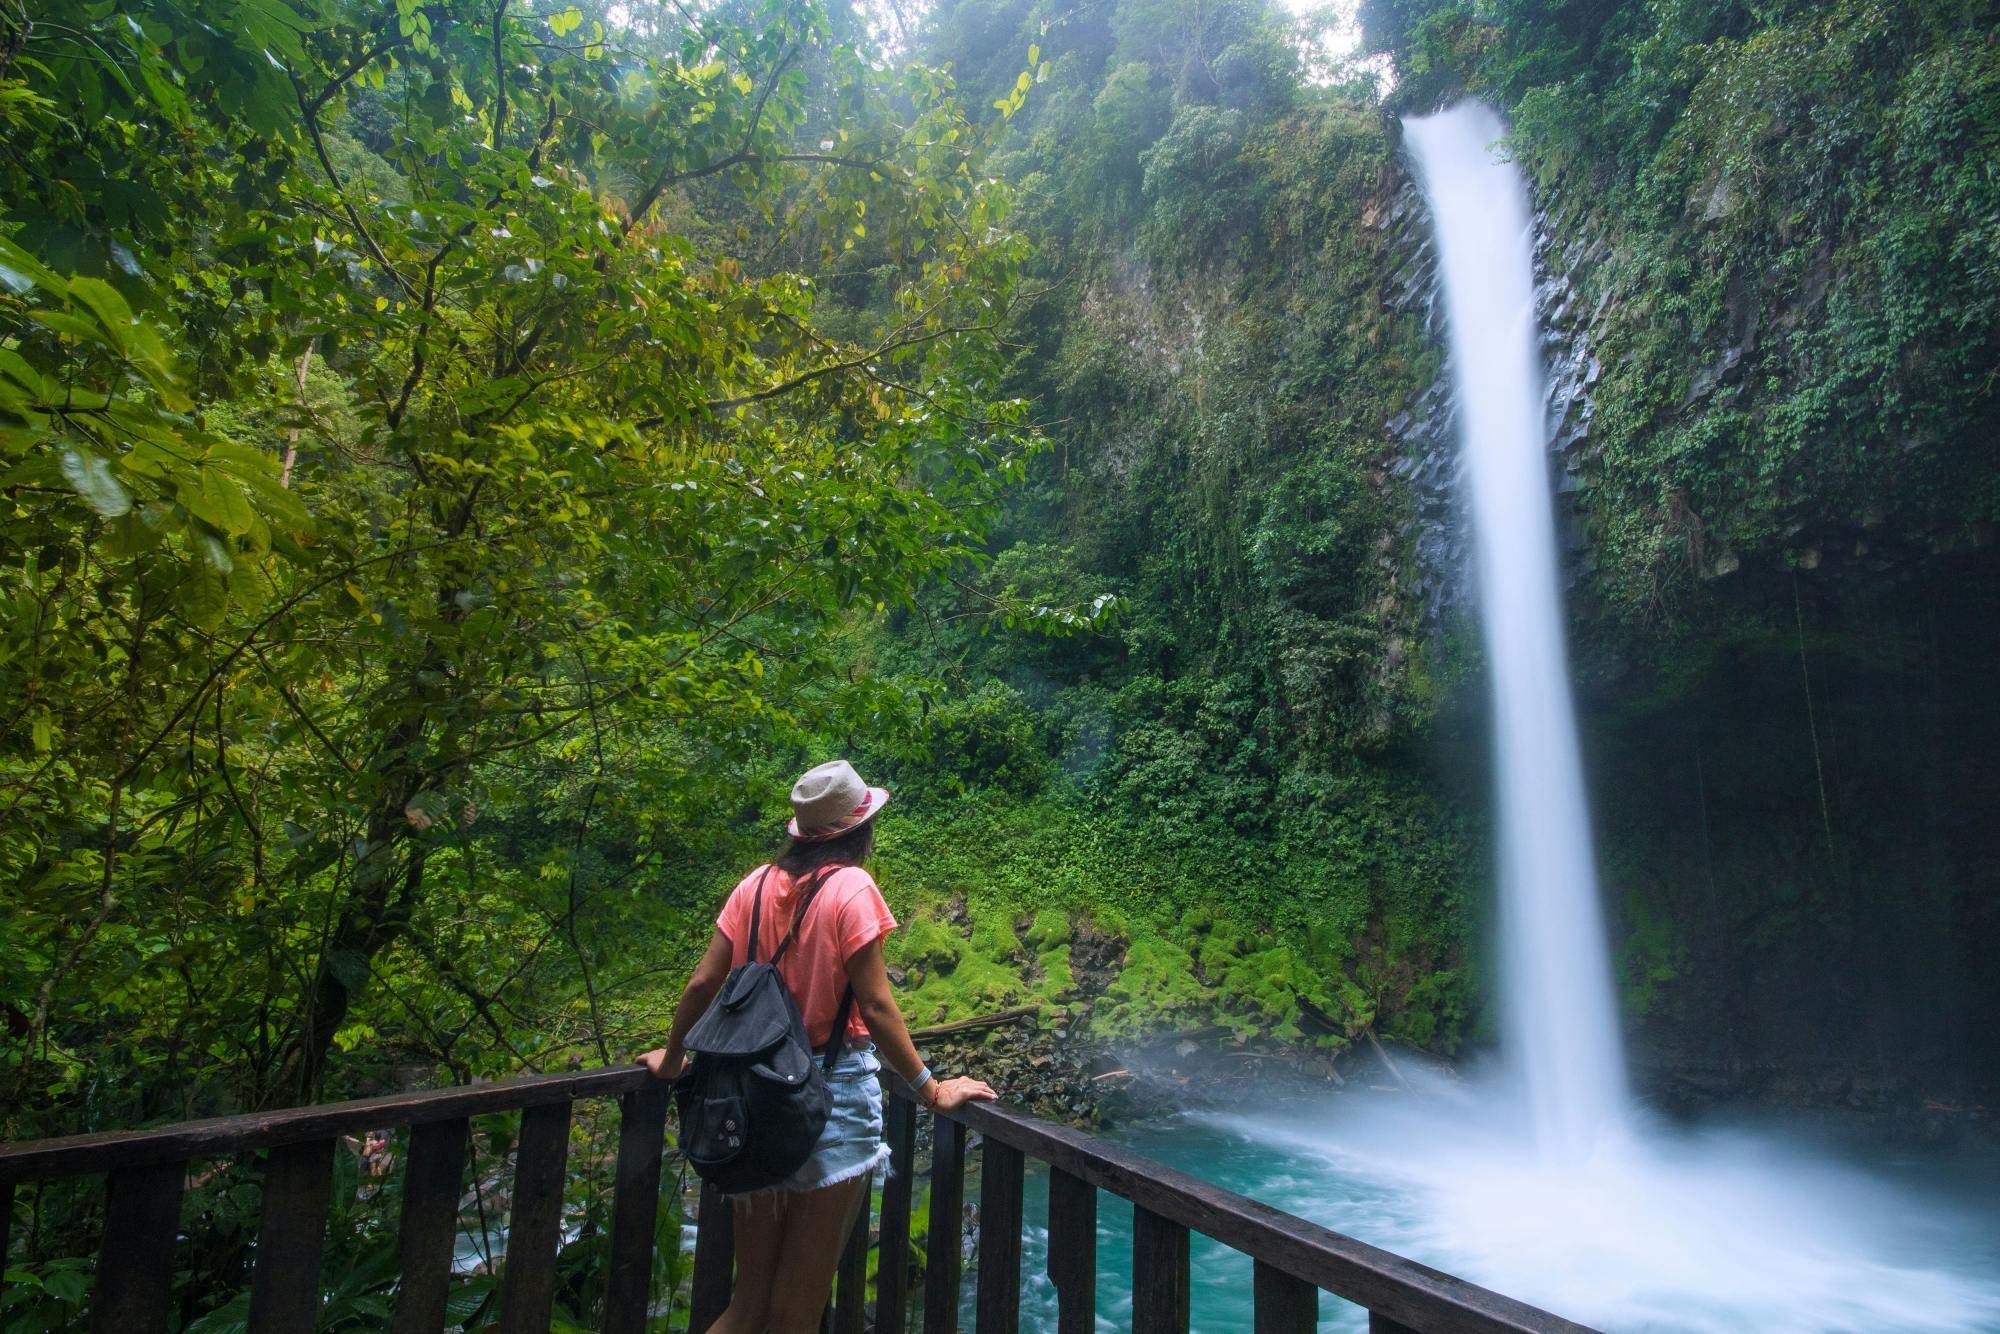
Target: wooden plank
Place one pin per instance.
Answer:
(1284, 1305)
(942, 1258)
(432, 1180)
(714, 1259)
(1401, 1289)
(997, 1305)
(534, 1222)
(892, 1258)
(84, 1155)
(298, 1184)
(850, 1298)
(635, 1205)
(135, 1265)
(1073, 1251)
(1159, 1274)
(1382, 1324)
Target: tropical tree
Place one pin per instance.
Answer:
(413, 416)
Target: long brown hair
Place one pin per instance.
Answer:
(849, 849)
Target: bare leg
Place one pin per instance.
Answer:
(760, 1231)
(816, 1227)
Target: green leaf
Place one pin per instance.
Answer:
(226, 507)
(21, 271)
(65, 323)
(92, 478)
(103, 301)
(204, 596)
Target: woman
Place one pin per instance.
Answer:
(790, 1237)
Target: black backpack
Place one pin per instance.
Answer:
(753, 1101)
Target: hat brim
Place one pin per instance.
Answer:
(878, 797)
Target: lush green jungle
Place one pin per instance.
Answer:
(462, 458)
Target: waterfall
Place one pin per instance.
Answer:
(1561, 1021)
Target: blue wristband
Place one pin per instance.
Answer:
(924, 1077)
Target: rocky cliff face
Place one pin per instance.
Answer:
(1792, 794)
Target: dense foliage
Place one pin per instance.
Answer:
(1795, 229)
(461, 458)
(1774, 227)
(443, 446)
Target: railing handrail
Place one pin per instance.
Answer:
(1380, 1280)
(83, 1155)
(1289, 1250)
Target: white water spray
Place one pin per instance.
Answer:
(1561, 1017)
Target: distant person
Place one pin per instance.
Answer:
(789, 1238)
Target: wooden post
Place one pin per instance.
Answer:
(1382, 1324)
(284, 1292)
(998, 1308)
(135, 1266)
(6, 1230)
(534, 1223)
(942, 1260)
(1073, 1251)
(892, 1260)
(635, 1205)
(1159, 1274)
(432, 1180)
(1284, 1305)
(714, 1260)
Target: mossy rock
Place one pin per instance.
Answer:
(987, 967)
(1157, 990)
(1049, 928)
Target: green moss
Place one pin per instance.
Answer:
(956, 978)
(1050, 928)
(1157, 990)
(1261, 988)
(1433, 1012)
(956, 974)
(1654, 953)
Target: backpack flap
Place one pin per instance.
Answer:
(752, 1013)
(788, 1063)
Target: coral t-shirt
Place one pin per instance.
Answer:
(846, 915)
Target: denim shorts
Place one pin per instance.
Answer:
(851, 1145)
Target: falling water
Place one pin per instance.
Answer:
(1562, 1023)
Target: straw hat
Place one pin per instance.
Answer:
(831, 800)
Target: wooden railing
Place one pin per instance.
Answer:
(1294, 1260)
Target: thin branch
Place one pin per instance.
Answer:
(742, 154)
(499, 75)
(311, 114)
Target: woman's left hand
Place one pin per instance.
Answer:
(957, 1092)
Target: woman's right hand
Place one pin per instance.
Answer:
(952, 1093)
(656, 1063)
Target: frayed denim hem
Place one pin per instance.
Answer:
(851, 1144)
(793, 1186)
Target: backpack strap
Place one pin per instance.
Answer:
(799, 913)
(837, 1040)
(834, 1042)
(757, 912)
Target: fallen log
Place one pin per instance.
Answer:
(976, 1022)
